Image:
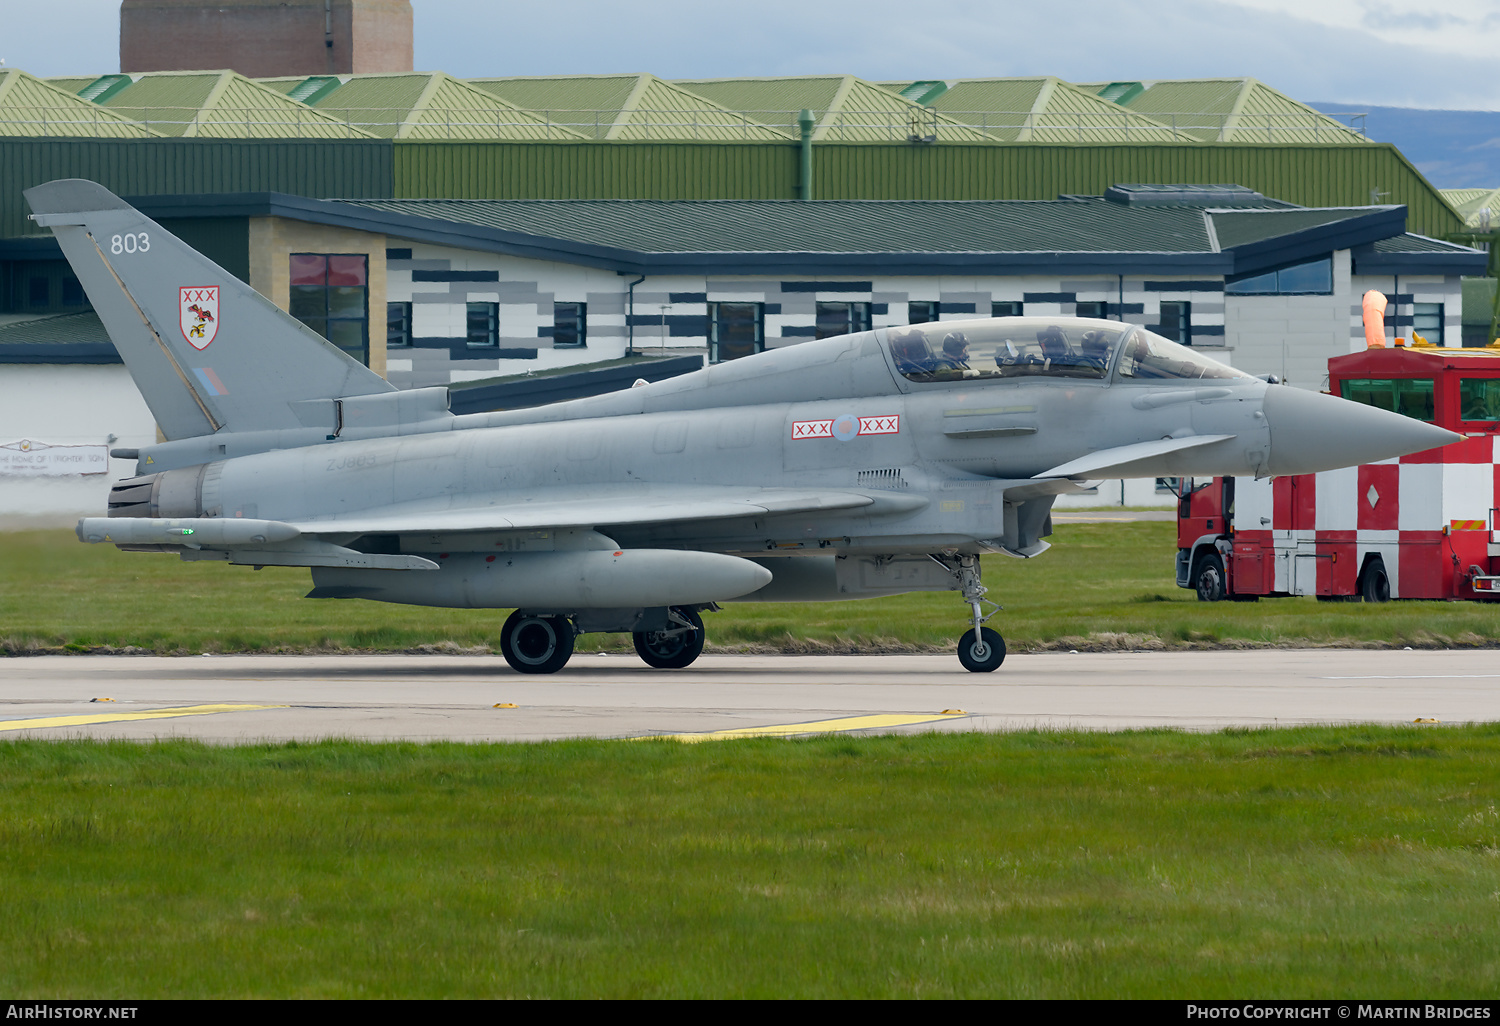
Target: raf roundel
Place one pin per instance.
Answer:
(198, 314)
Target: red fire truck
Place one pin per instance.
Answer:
(1421, 526)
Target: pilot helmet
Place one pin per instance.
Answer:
(955, 344)
(1052, 339)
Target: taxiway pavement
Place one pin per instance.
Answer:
(237, 699)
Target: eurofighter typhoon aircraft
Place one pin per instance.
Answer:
(870, 464)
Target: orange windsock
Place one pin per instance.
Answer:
(1374, 305)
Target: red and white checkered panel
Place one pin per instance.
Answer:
(1427, 515)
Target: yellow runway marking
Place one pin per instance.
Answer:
(116, 717)
(815, 727)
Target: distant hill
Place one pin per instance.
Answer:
(1454, 149)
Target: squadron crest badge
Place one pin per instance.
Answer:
(198, 308)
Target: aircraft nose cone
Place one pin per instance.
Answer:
(1311, 432)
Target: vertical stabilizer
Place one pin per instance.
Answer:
(207, 351)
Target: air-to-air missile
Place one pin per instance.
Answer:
(869, 464)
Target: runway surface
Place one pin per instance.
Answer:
(234, 699)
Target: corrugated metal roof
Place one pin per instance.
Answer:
(55, 329)
(283, 85)
(634, 107)
(1410, 243)
(222, 105)
(1044, 109)
(434, 105)
(1237, 110)
(865, 226)
(849, 109)
(72, 83)
(1471, 205)
(1236, 228)
(32, 107)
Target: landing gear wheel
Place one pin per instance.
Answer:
(1208, 581)
(983, 653)
(1374, 585)
(666, 650)
(536, 644)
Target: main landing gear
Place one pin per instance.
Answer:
(543, 643)
(980, 650)
(676, 646)
(537, 644)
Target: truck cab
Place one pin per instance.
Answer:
(1420, 526)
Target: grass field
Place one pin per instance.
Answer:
(1327, 862)
(1100, 586)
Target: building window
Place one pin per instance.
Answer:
(1006, 308)
(397, 325)
(569, 325)
(735, 330)
(922, 311)
(1091, 309)
(1427, 321)
(1314, 278)
(39, 292)
(483, 328)
(330, 294)
(842, 319)
(1176, 321)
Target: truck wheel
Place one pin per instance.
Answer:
(1208, 579)
(1374, 585)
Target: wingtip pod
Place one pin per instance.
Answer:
(188, 532)
(1312, 432)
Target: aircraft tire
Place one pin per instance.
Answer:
(675, 652)
(1208, 579)
(536, 644)
(1374, 585)
(990, 658)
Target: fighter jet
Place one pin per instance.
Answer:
(869, 464)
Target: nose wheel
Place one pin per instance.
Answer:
(980, 650)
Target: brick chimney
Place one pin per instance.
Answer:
(266, 38)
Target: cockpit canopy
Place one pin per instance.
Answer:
(1060, 347)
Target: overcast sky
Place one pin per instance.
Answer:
(1400, 52)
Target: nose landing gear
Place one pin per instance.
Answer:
(980, 650)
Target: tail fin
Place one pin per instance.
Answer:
(207, 351)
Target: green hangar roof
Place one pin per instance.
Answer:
(1480, 208)
(847, 109)
(31, 107)
(1038, 109)
(432, 106)
(1229, 110)
(215, 104)
(634, 107)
